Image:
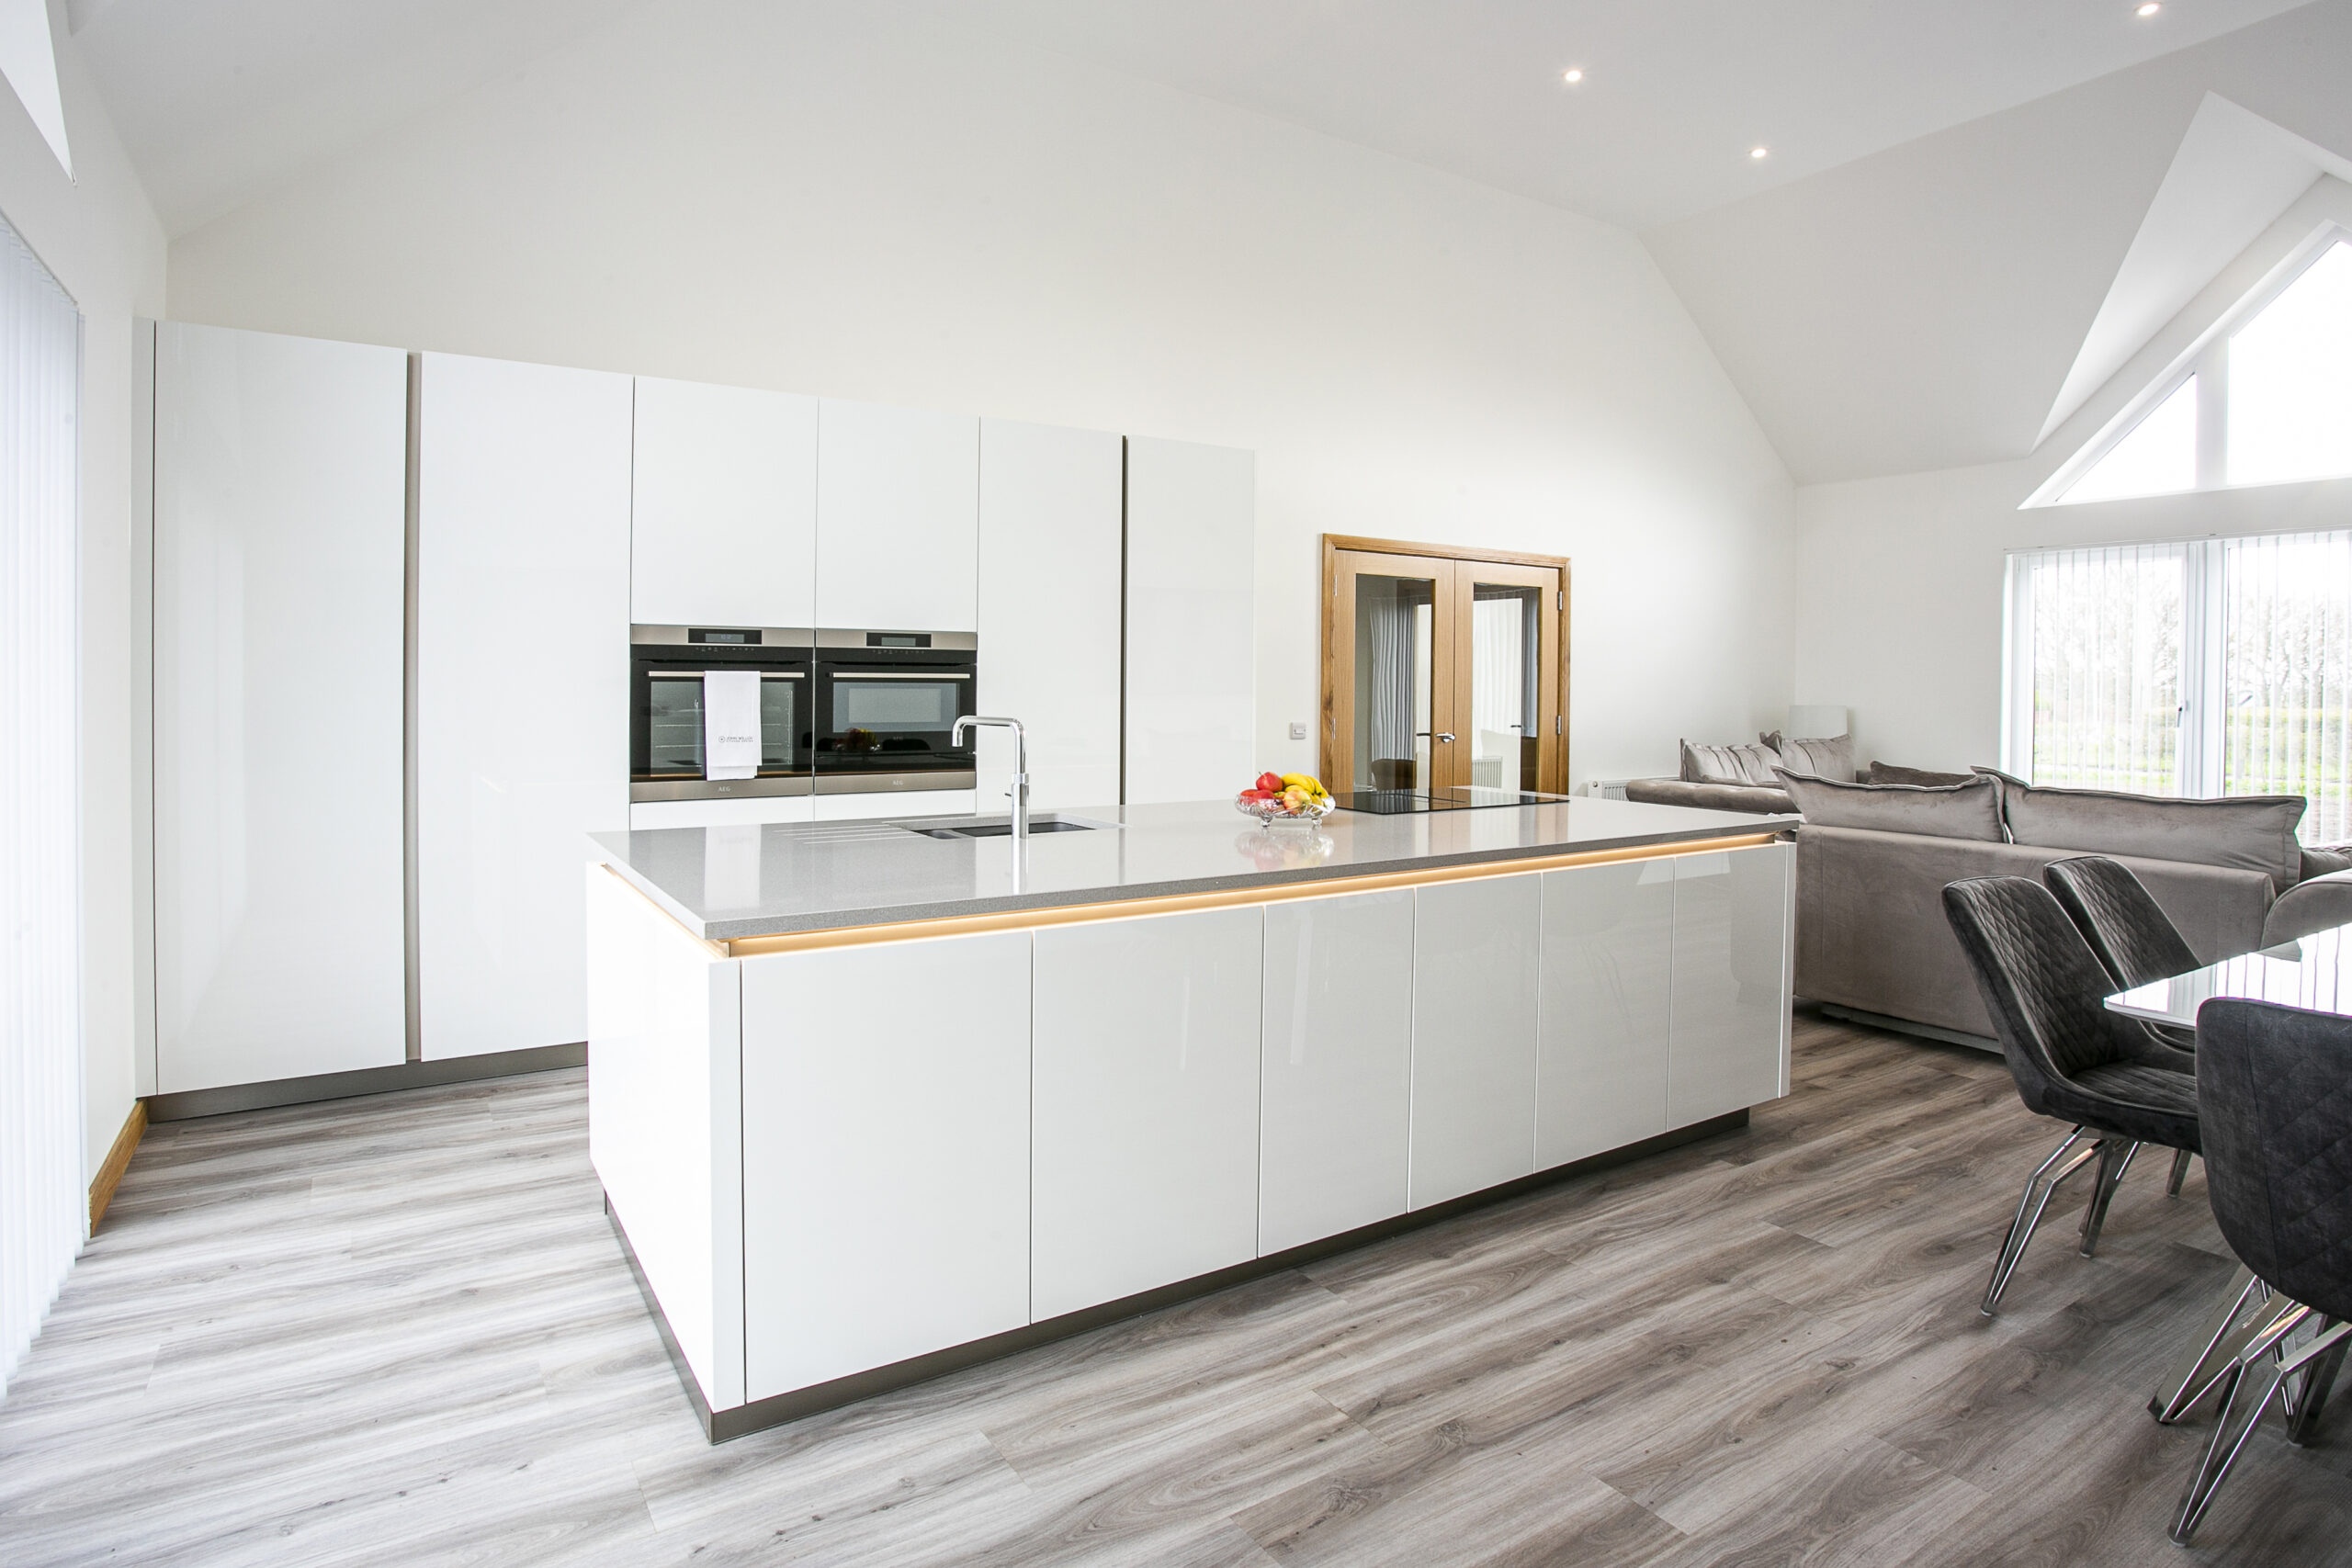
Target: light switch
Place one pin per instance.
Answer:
(1298, 729)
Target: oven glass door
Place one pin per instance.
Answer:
(894, 720)
(674, 728)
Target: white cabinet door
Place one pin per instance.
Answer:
(898, 518)
(886, 1154)
(1145, 1120)
(724, 530)
(1474, 962)
(1338, 1066)
(522, 690)
(1192, 661)
(279, 494)
(1731, 982)
(1049, 609)
(1601, 1074)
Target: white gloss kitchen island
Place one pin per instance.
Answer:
(866, 1107)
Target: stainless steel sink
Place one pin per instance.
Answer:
(997, 827)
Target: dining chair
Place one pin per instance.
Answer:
(2134, 938)
(2070, 1056)
(2275, 1087)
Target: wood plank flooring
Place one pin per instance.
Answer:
(396, 1331)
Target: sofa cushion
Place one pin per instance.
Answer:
(1729, 765)
(1752, 798)
(1832, 758)
(1971, 810)
(1887, 772)
(2254, 831)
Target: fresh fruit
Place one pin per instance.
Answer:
(1271, 783)
(1258, 794)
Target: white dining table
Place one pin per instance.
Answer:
(2314, 972)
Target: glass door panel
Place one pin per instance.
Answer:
(1506, 687)
(1513, 721)
(1396, 627)
(1388, 714)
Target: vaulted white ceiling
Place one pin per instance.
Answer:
(1930, 263)
(1675, 93)
(1923, 307)
(220, 100)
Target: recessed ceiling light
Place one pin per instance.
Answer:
(1574, 74)
(1760, 151)
(2150, 9)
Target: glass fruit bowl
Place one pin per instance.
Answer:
(1273, 813)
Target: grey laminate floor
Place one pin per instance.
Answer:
(398, 1331)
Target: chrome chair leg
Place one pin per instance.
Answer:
(2224, 1335)
(2310, 1389)
(2063, 1161)
(2241, 1415)
(2114, 1159)
(2180, 1158)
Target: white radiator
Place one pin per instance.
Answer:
(1606, 789)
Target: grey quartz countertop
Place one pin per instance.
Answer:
(728, 883)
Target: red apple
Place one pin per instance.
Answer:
(1271, 783)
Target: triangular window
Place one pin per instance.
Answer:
(2275, 375)
(2157, 457)
(2291, 380)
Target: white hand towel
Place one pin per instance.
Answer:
(730, 723)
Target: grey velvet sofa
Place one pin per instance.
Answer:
(1872, 938)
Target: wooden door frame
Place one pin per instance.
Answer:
(1328, 749)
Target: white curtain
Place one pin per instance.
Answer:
(2105, 642)
(2287, 680)
(42, 1201)
(1394, 656)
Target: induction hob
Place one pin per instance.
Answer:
(1467, 798)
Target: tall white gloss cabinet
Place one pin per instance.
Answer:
(279, 492)
(1049, 567)
(1191, 652)
(897, 494)
(520, 690)
(724, 525)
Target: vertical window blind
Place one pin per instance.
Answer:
(42, 1203)
(2210, 668)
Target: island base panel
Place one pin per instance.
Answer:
(720, 1426)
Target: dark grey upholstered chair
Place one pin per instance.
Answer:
(2071, 1057)
(2134, 938)
(2276, 1088)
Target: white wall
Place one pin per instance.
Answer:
(841, 198)
(99, 236)
(1899, 614)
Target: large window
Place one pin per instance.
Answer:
(2266, 398)
(2216, 667)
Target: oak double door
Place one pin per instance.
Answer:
(1442, 669)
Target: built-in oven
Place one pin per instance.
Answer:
(666, 713)
(886, 707)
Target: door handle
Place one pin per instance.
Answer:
(1446, 738)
